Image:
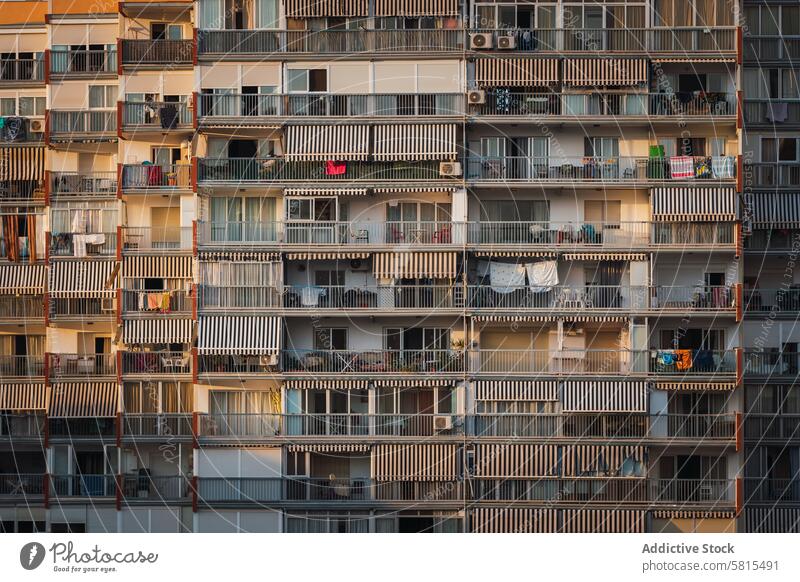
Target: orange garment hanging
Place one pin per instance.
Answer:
(683, 359)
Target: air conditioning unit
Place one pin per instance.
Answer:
(107, 305)
(358, 265)
(37, 125)
(480, 40)
(449, 168)
(476, 97)
(506, 42)
(442, 422)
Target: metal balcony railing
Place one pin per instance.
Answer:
(689, 234)
(241, 425)
(772, 300)
(760, 48)
(21, 366)
(60, 428)
(771, 362)
(770, 489)
(156, 363)
(21, 70)
(431, 361)
(81, 307)
(22, 484)
(279, 169)
(238, 297)
(85, 122)
(594, 169)
(776, 426)
(86, 366)
(68, 244)
(82, 62)
(83, 485)
(147, 176)
(561, 297)
(156, 487)
(563, 234)
(141, 302)
(83, 184)
(157, 52)
(774, 239)
(22, 425)
(700, 491)
(691, 362)
(21, 307)
(374, 297)
(155, 114)
(683, 298)
(156, 238)
(162, 426)
(773, 112)
(767, 174)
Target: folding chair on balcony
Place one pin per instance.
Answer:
(360, 236)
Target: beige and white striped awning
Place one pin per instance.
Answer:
(605, 72)
(603, 521)
(604, 257)
(239, 256)
(517, 254)
(515, 72)
(415, 189)
(776, 210)
(169, 267)
(418, 462)
(327, 256)
(329, 448)
(322, 8)
(698, 59)
(23, 397)
(158, 331)
(502, 460)
(320, 384)
(22, 163)
(416, 7)
(514, 520)
(88, 278)
(21, 279)
(702, 204)
(595, 318)
(239, 334)
(694, 514)
(327, 142)
(411, 383)
(84, 399)
(582, 459)
(604, 396)
(695, 386)
(520, 390)
(395, 142)
(325, 192)
(415, 265)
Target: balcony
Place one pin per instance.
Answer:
(547, 234)
(223, 108)
(21, 367)
(770, 175)
(67, 244)
(156, 177)
(266, 170)
(22, 70)
(81, 366)
(234, 43)
(141, 304)
(770, 112)
(22, 425)
(768, 489)
(65, 486)
(157, 426)
(21, 307)
(775, 301)
(599, 170)
(778, 48)
(772, 427)
(77, 428)
(81, 308)
(156, 363)
(150, 52)
(775, 240)
(156, 116)
(22, 486)
(616, 105)
(83, 63)
(159, 488)
(68, 125)
(156, 239)
(75, 184)
(771, 363)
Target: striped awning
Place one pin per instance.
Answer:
(604, 256)
(415, 189)
(515, 318)
(605, 72)
(415, 142)
(89, 278)
(327, 142)
(325, 192)
(695, 60)
(603, 521)
(591, 459)
(416, 7)
(23, 397)
(22, 163)
(315, 384)
(22, 279)
(239, 256)
(329, 448)
(169, 267)
(527, 390)
(695, 386)
(515, 72)
(84, 399)
(516, 254)
(772, 519)
(326, 256)
(231, 334)
(322, 8)
(414, 265)
(501, 460)
(776, 210)
(704, 204)
(514, 520)
(604, 396)
(694, 514)
(158, 331)
(423, 462)
(411, 383)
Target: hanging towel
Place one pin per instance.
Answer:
(666, 357)
(777, 112)
(79, 222)
(309, 296)
(153, 301)
(506, 277)
(335, 168)
(141, 301)
(542, 276)
(681, 167)
(722, 166)
(683, 359)
(164, 308)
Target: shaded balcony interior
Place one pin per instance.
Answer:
(157, 409)
(22, 238)
(161, 225)
(163, 167)
(772, 474)
(83, 228)
(22, 66)
(21, 356)
(83, 174)
(158, 38)
(83, 355)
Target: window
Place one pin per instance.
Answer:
(31, 106)
(330, 338)
(8, 106)
(164, 31)
(608, 213)
(601, 147)
(700, 13)
(329, 278)
(296, 464)
(307, 80)
(102, 96)
(783, 149)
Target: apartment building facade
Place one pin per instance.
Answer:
(398, 266)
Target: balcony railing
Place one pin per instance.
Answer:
(22, 485)
(776, 426)
(331, 105)
(771, 362)
(67, 244)
(159, 176)
(138, 239)
(255, 41)
(83, 184)
(22, 425)
(241, 425)
(778, 47)
(162, 426)
(156, 487)
(430, 361)
(590, 169)
(81, 307)
(774, 239)
(84, 366)
(238, 297)
(691, 234)
(83, 485)
(83, 122)
(505, 103)
(158, 115)
(156, 363)
(771, 111)
(770, 489)
(21, 307)
(767, 174)
(68, 429)
(83, 62)
(707, 298)
(374, 297)
(21, 70)
(21, 366)
(156, 52)
(772, 300)
(278, 170)
(563, 234)
(144, 302)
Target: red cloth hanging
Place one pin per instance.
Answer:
(335, 168)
